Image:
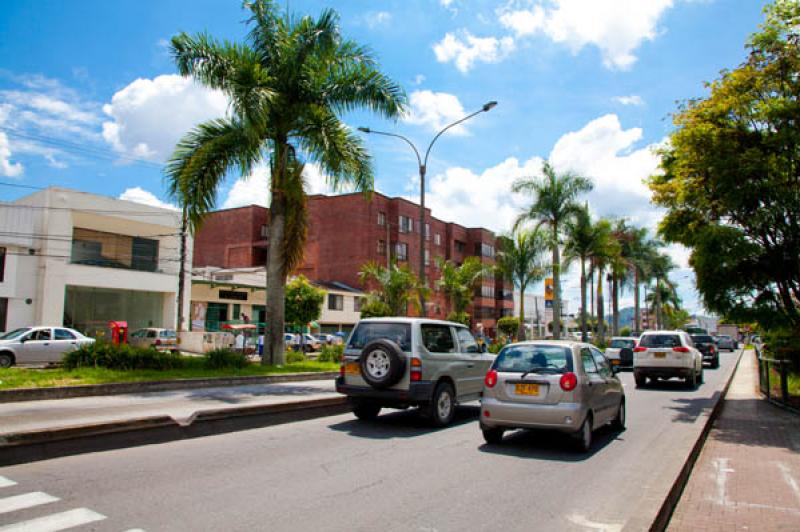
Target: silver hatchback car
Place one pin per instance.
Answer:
(561, 385)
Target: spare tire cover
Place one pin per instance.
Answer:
(382, 363)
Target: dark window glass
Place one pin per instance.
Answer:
(534, 358)
(702, 339)
(2, 271)
(400, 333)
(620, 344)
(587, 359)
(602, 363)
(467, 341)
(232, 294)
(63, 334)
(660, 340)
(438, 339)
(335, 302)
(41, 334)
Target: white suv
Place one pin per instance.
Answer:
(667, 354)
(404, 362)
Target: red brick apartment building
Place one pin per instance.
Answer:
(349, 230)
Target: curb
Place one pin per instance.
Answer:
(661, 522)
(88, 390)
(45, 444)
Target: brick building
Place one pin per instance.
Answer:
(349, 230)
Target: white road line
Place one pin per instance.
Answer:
(6, 482)
(26, 500)
(721, 478)
(55, 522)
(789, 479)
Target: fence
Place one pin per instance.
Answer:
(779, 381)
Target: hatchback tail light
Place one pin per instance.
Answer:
(416, 370)
(491, 378)
(568, 381)
(681, 349)
(639, 349)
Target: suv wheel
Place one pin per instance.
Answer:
(640, 380)
(442, 407)
(691, 380)
(366, 411)
(6, 360)
(382, 363)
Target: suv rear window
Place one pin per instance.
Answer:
(660, 340)
(620, 344)
(400, 333)
(702, 339)
(535, 358)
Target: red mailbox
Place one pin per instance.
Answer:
(119, 332)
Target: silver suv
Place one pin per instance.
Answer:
(405, 362)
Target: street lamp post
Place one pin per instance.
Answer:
(422, 164)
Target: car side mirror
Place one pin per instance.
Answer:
(23, 340)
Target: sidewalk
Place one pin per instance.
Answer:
(179, 405)
(748, 474)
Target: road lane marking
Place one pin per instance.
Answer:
(55, 522)
(26, 500)
(789, 479)
(6, 482)
(594, 525)
(721, 478)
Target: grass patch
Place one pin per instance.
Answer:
(192, 368)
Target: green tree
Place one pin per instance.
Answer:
(676, 318)
(375, 308)
(623, 266)
(520, 259)
(287, 86)
(459, 282)
(605, 254)
(397, 287)
(303, 303)
(730, 180)
(664, 295)
(509, 326)
(555, 200)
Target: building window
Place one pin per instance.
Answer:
(264, 231)
(234, 295)
(381, 247)
(335, 302)
(381, 218)
(484, 313)
(405, 223)
(427, 231)
(487, 291)
(460, 246)
(427, 257)
(109, 250)
(484, 250)
(2, 265)
(357, 302)
(437, 239)
(401, 251)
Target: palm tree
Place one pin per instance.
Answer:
(554, 202)
(582, 241)
(622, 268)
(459, 282)
(604, 255)
(287, 85)
(397, 287)
(521, 261)
(664, 292)
(639, 247)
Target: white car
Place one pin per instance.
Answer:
(38, 345)
(667, 354)
(620, 351)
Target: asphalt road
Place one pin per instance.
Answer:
(337, 473)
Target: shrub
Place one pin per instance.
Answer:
(121, 357)
(625, 331)
(331, 353)
(459, 317)
(293, 357)
(508, 325)
(225, 358)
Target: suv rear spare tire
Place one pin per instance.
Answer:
(382, 363)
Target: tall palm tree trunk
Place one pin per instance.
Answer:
(584, 337)
(601, 325)
(274, 344)
(521, 330)
(615, 304)
(659, 317)
(556, 286)
(591, 291)
(636, 310)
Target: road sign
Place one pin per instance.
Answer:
(548, 289)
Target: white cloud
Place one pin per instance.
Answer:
(419, 79)
(140, 195)
(524, 22)
(446, 3)
(466, 50)
(633, 99)
(8, 168)
(149, 116)
(435, 110)
(375, 19)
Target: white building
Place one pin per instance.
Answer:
(81, 260)
(538, 315)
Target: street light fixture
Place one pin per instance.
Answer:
(423, 163)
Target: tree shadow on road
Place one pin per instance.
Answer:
(403, 424)
(550, 445)
(756, 422)
(688, 409)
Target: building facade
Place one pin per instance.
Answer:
(81, 260)
(350, 230)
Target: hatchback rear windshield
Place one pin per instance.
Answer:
(620, 344)
(660, 340)
(535, 358)
(400, 333)
(702, 339)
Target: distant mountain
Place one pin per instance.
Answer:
(626, 317)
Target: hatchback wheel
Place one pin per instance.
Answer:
(584, 436)
(619, 420)
(493, 436)
(442, 407)
(6, 361)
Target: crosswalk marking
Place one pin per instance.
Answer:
(55, 522)
(26, 500)
(5, 482)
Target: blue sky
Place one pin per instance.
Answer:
(89, 98)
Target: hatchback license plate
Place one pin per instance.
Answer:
(660, 354)
(526, 389)
(352, 368)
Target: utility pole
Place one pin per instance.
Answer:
(182, 273)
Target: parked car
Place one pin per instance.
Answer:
(160, 339)
(620, 351)
(411, 362)
(309, 344)
(39, 345)
(329, 339)
(667, 354)
(560, 385)
(708, 348)
(726, 342)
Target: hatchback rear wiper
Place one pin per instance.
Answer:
(540, 370)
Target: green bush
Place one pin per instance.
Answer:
(225, 358)
(508, 325)
(293, 357)
(331, 353)
(121, 357)
(459, 317)
(625, 331)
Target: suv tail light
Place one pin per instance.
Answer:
(681, 349)
(491, 378)
(341, 368)
(568, 381)
(639, 349)
(416, 370)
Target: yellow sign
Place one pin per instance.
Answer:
(548, 289)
